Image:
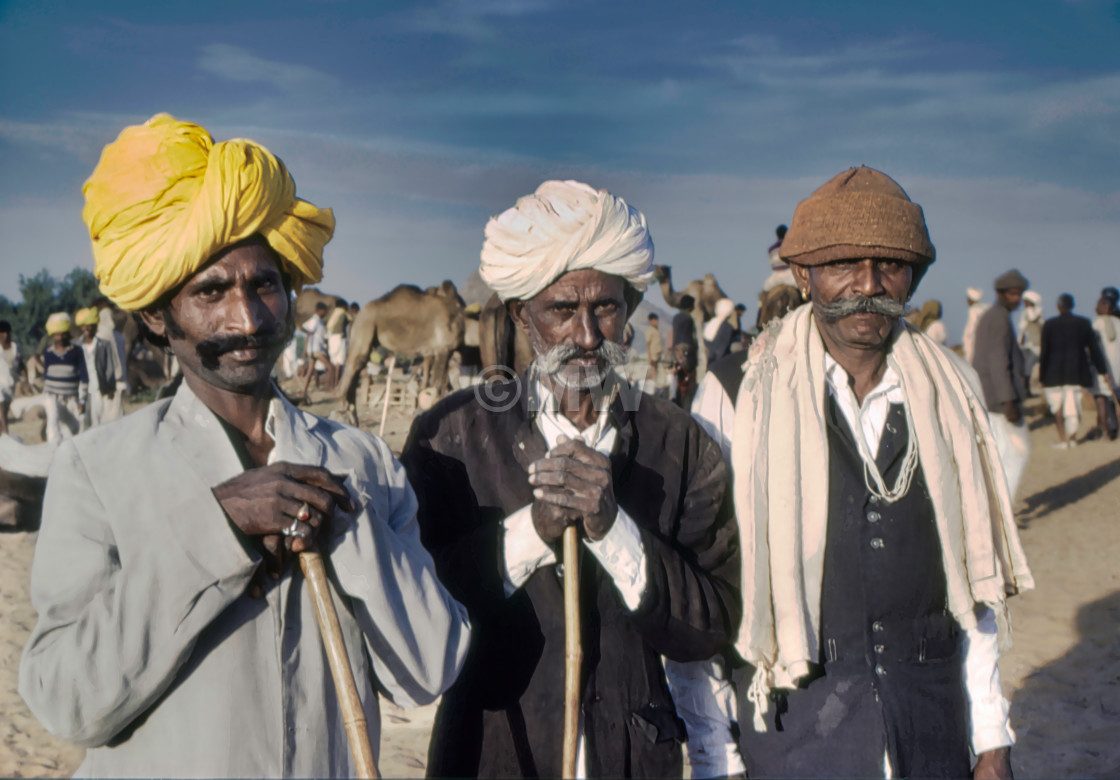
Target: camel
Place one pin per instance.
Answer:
(408, 322)
(776, 302)
(307, 299)
(503, 347)
(705, 292)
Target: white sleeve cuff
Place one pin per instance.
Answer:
(523, 550)
(623, 557)
(990, 727)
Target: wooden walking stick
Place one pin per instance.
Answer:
(390, 364)
(353, 717)
(573, 644)
(573, 651)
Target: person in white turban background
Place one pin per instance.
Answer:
(974, 296)
(501, 470)
(1030, 335)
(175, 637)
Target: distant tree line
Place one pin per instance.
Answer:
(43, 295)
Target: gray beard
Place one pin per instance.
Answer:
(554, 364)
(860, 304)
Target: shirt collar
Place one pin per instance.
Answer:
(839, 383)
(552, 422)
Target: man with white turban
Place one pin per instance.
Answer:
(1030, 334)
(502, 469)
(974, 297)
(878, 539)
(175, 637)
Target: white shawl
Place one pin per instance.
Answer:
(780, 449)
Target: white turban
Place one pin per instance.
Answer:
(564, 226)
(974, 294)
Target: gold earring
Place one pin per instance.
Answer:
(804, 294)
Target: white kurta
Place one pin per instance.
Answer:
(148, 650)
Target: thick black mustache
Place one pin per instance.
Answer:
(860, 304)
(209, 350)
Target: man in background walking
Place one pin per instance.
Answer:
(1107, 390)
(999, 363)
(65, 380)
(1069, 354)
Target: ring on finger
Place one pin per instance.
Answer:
(294, 530)
(303, 514)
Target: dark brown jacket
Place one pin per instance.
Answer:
(998, 360)
(503, 717)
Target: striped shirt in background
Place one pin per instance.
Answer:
(65, 374)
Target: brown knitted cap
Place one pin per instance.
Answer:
(858, 213)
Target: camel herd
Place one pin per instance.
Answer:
(435, 324)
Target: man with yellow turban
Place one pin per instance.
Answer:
(65, 380)
(175, 638)
(501, 472)
(103, 366)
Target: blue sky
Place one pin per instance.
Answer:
(417, 121)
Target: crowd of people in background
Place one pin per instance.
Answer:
(82, 366)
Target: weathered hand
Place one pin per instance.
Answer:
(264, 501)
(1011, 411)
(993, 765)
(577, 480)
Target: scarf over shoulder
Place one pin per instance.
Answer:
(780, 451)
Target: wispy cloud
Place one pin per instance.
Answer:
(80, 134)
(475, 21)
(237, 64)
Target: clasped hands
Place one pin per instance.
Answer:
(572, 485)
(286, 505)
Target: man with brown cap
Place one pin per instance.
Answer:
(1003, 375)
(876, 528)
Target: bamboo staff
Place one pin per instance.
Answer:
(573, 643)
(353, 717)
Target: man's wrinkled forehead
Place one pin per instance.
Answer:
(216, 269)
(586, 284)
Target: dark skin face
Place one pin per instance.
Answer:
(573, 483)
(858, 342)
(584, 308)
(227, 325)
(1009, 299)
(237, 300)
(88, 332)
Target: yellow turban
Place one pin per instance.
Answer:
(86, 317)
(59, 322)
(165, 198)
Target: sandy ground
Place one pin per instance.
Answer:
(1063, 673)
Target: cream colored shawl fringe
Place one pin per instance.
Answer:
(780, 463)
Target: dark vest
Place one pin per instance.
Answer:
(889, 678)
